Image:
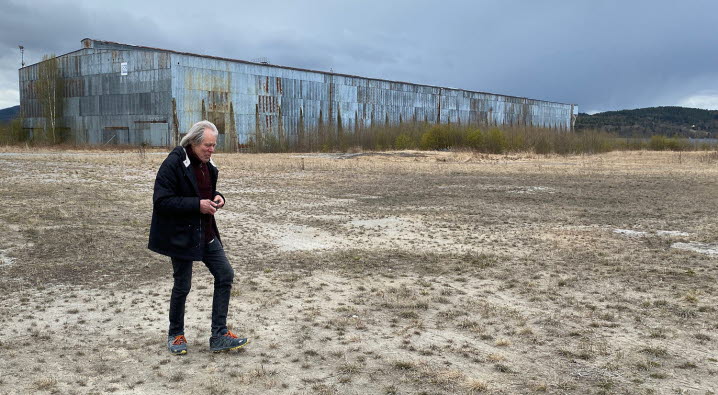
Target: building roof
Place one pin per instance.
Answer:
(93, 43)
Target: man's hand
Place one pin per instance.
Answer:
(219, 201)
(207, 206)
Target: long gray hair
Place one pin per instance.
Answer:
(196, 133)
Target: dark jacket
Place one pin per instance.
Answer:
(176, 229)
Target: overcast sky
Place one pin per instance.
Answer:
(601, 54)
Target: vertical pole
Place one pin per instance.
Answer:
(175, 126)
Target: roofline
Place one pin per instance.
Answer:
(142, 47)
(57, 56)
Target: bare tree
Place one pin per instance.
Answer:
(49, 89)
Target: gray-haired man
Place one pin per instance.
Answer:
(183, 227)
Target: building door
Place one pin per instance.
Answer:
(115, 135)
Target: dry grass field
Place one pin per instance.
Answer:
(390, 273)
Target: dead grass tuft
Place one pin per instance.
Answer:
(475, 385)
(45, 384)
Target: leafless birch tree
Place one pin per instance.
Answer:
(49, 88)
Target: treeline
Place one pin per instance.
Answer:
(12, 133)
(425, 136)
(495, 140)
(646, 122)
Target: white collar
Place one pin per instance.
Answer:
(186, 158)
(187, 161)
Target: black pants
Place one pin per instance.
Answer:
(217, 263)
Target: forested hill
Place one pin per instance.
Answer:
(8, 114)
(643, 122)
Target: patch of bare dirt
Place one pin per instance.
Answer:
(409, 272)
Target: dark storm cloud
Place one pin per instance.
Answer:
(601, 55)
(609, 55)
(55, 28)
(58, 28)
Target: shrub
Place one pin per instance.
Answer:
(272, 144)
(516, 142)
(12, 133)
(475, 139)
(382, 139)
(495, 142)
(676, 144)
(542, 145)
(632, 144)
(402, 142)
(657, 143)
(437, 137)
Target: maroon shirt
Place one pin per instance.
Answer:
(204, 184)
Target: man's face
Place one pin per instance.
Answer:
(205, 149)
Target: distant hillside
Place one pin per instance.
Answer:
(643, 122)
(8, 114)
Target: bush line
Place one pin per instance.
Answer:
(424, 136)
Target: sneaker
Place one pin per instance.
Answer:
(226, 342)
(177, 345)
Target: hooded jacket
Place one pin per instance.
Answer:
(176, 229)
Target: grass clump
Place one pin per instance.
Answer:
(655, 351)
(45, 384)
(476, 386)
(404, 365)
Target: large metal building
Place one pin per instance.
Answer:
(126, 94)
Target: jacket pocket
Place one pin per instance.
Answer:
(182, 236)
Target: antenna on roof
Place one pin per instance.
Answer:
(22, 55)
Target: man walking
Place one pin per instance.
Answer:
(183, 228)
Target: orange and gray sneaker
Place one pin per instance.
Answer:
(177, 344)
(226, 342)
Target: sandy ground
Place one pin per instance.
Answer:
(396, 273)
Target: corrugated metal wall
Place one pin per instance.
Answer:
(250, 101)
(101, 106)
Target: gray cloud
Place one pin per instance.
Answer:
(601, 55)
